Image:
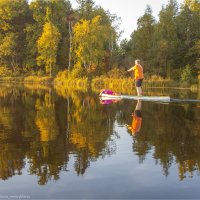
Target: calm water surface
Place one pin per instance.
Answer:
(64, 144)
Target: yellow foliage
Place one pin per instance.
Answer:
(38, 79)
(194, 5)
(83, 142)
(88, 42)
(47, 46)
(45, 119)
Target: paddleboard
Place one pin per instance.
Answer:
(142, 98)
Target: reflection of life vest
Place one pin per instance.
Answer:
(136, 122)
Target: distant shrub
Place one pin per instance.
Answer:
(116, 73)
(187, 75)
(156, 78)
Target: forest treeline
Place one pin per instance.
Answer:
(45, 37)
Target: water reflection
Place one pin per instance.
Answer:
(136, 119)
(172, 132)
(46, 130)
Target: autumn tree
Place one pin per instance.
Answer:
(87, 10)
(88, 43)
(60, 10)
(47, 47)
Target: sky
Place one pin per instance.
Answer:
(129, 11)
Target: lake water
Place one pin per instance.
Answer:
(68, 144)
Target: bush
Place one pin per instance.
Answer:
(187, 75)
(156, 78)
(116, 73)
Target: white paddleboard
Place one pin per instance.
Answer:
(142, 98)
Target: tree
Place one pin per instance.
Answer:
(33, 32)
(188, 31)
(165, 38)
(88, 43)
(141, 39)
(194, 5)
(86, 8)
(47, 47)
(8, 46)
(13, 17)
(61, 12)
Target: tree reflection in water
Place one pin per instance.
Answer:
(44, 129)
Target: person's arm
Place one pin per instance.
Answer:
(131, 69)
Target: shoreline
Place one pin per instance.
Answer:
(96, 83)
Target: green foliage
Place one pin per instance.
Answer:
(13, 18)
(187, 75)
(141, 39)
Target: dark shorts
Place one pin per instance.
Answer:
(137, 113)
(138, 82)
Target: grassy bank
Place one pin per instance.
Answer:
(124, 85)
(27, 79)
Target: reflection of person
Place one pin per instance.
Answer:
(137, 119)
(139, 76)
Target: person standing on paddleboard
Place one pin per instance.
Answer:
(139, 76)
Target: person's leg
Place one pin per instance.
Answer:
(139, 91)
